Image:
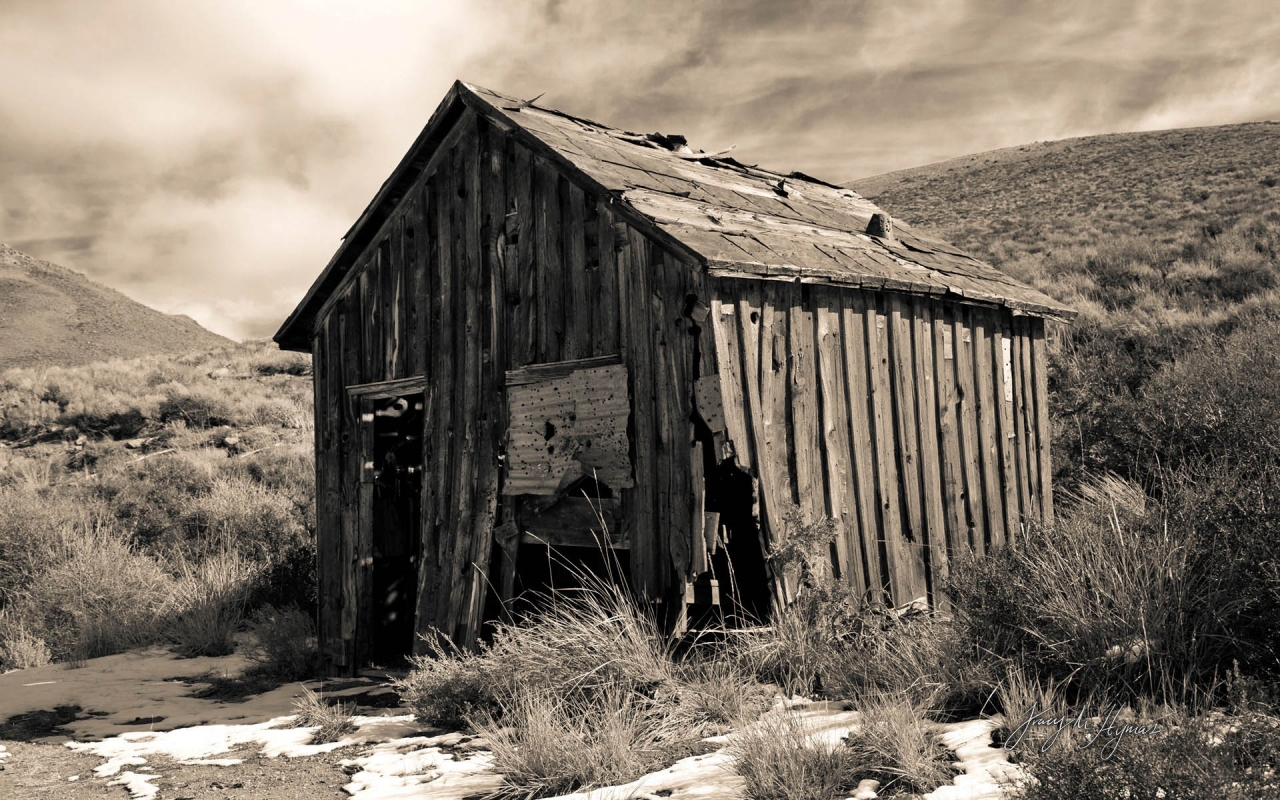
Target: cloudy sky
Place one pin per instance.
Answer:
(206, 156)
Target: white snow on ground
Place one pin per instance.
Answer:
(394, 760)
(139, 785)
(418, 768)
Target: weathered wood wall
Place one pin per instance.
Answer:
(494, 260)
(920, 426)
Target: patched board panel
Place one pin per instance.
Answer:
(568, 427)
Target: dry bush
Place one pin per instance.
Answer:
(244, 514)
(779, 760)
(1212, 756)
(1109, 599)
(209, 602)
(102, 597)
(832, 641)
(284, 643)
(39, 529)
(331, 721)
(899, 746)
(546, 744)
(19, 647)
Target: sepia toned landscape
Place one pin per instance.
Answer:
(368, 433)
(168, 501)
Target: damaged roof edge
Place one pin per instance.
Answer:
(295, 334)
(502, 111)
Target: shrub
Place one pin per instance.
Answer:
(1218, 401)
(19, 647)
(290, 579)
(1109, 598)
(39, 529)
(196, 409)
(779, 760)
(209, 603)
(1198, 758)
(246, 515)
(331, 721)
(448, 687)
(548, 744)
(103, 597)
(284, 643)
(832, 641)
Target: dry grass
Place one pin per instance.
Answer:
(161, 513)
(545, 745)
(284, 642)
(20, 648)
(779, 760)
(331, 721)
(103, 597)
(899, 745)
(209, 603)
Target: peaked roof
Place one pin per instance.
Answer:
(737, 219)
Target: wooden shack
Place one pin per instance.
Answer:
(541, 324)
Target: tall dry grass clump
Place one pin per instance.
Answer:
(833, 641)
(331, 721)
(782, 756)
(103, 597)
(547, 744)
(1111, 598)
(209, 602)
(778, 758)
(582, 691)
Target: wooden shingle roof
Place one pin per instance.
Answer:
(737, 219)
(744, 220)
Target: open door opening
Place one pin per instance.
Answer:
(739, 560)
(397, 492)
(566, 538)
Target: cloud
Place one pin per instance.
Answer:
(206, 157)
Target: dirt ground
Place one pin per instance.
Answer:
(44, 771)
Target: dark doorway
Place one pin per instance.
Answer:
(397, 493)
(739, 565)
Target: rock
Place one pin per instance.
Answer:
(221, 372)
(138, 444)
(231, 441)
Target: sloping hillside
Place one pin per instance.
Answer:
(1027, 203)
(51, 316)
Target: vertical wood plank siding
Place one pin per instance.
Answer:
(495, 260)
(901, 418)
(888, 414)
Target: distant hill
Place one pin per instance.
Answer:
(1162, 186)
(52, 316)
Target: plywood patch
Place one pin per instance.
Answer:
(568, 426)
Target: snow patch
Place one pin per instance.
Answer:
(139, 785)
